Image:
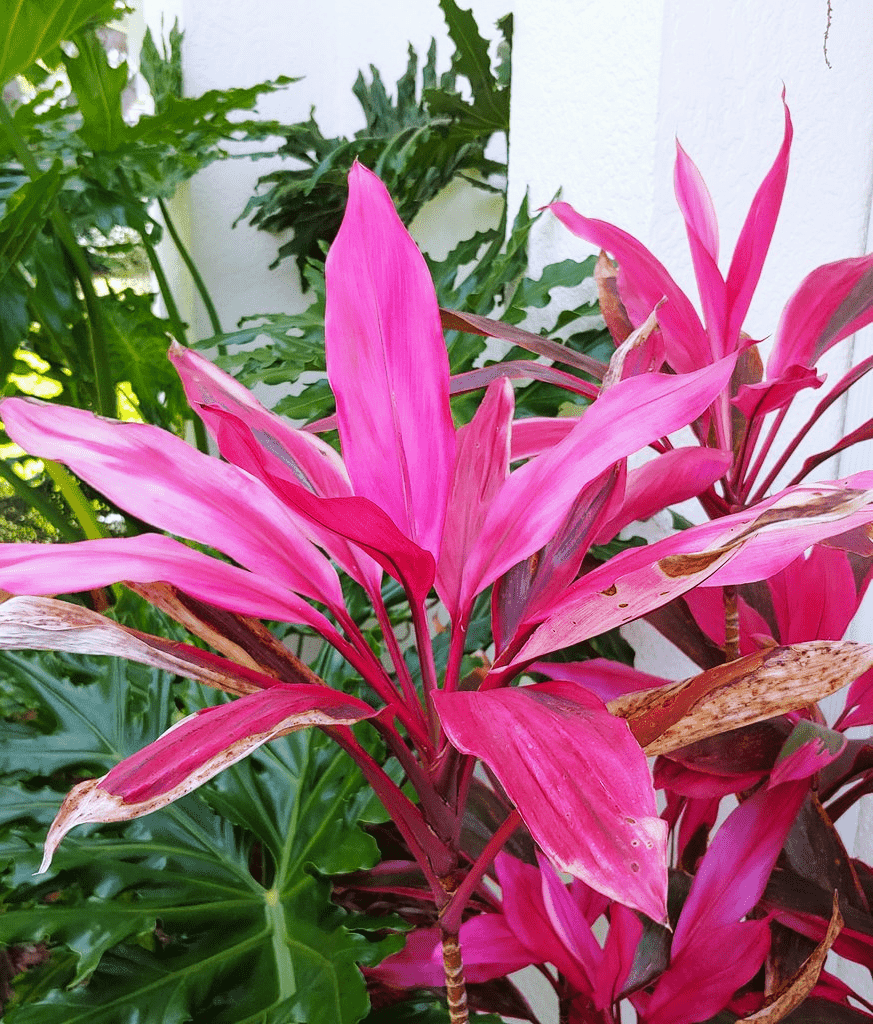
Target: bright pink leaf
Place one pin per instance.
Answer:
(701, 226)
(832, 302)
(740, 548)
(196, 749)
(808, 749)
(756, 235)
(40, 569)
(481, 466)
(672, 477)
(643, 283)
(578, 779)
(607, 679)
(489, 947)
(515, 526)
(387, 365)
(159, 478)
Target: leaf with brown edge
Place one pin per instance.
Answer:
(196, 749)
(45, 624)
(804, 981)
(611, 307)
(750, 689)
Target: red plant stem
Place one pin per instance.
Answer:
(456, 652)
(397, 659)
(762, 455)
(436, 812)
(360, 657)
(450, 917)
(433, 856)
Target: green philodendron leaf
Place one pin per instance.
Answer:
(98, 88)
(212, 909)
(490, 103)
(27, 210)
(33, 28)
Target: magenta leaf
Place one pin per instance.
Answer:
(740, 548)
(159, 478)
(832, 302)
(515, 527)
(695, 203)
(643, 282)
(42, 569)
(481, 466)
(387, 365)
(809, 748)
(197, 748)
(578, 779)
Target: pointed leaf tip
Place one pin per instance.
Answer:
(196, 749)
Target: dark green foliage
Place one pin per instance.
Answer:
(213, 909)
(417, 142)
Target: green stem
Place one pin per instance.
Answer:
(38, 502)
(199, 283)
(77, 501)
(98, 350)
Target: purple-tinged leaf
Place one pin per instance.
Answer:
(674, 476)
(472, 323)
(489, 947)
(196, 749)
(755, 237)
(387, 365)
(831, 303)
(521, 369)
(740, 548)
(40, 569)
(159, 478)
(862, 433)
(809, 748)
(515, 526)
(535, 582)
(578, 779)
(756, 400)
(643, 282)
(43, 624)
(481, 466)
(701, 226)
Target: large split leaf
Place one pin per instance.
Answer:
(185, 914)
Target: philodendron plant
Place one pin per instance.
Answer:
(284, 528)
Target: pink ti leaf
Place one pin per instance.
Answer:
(578, 779)
(159, 478)
(197, 748)
(387, 365)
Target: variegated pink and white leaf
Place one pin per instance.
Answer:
(196, 749)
